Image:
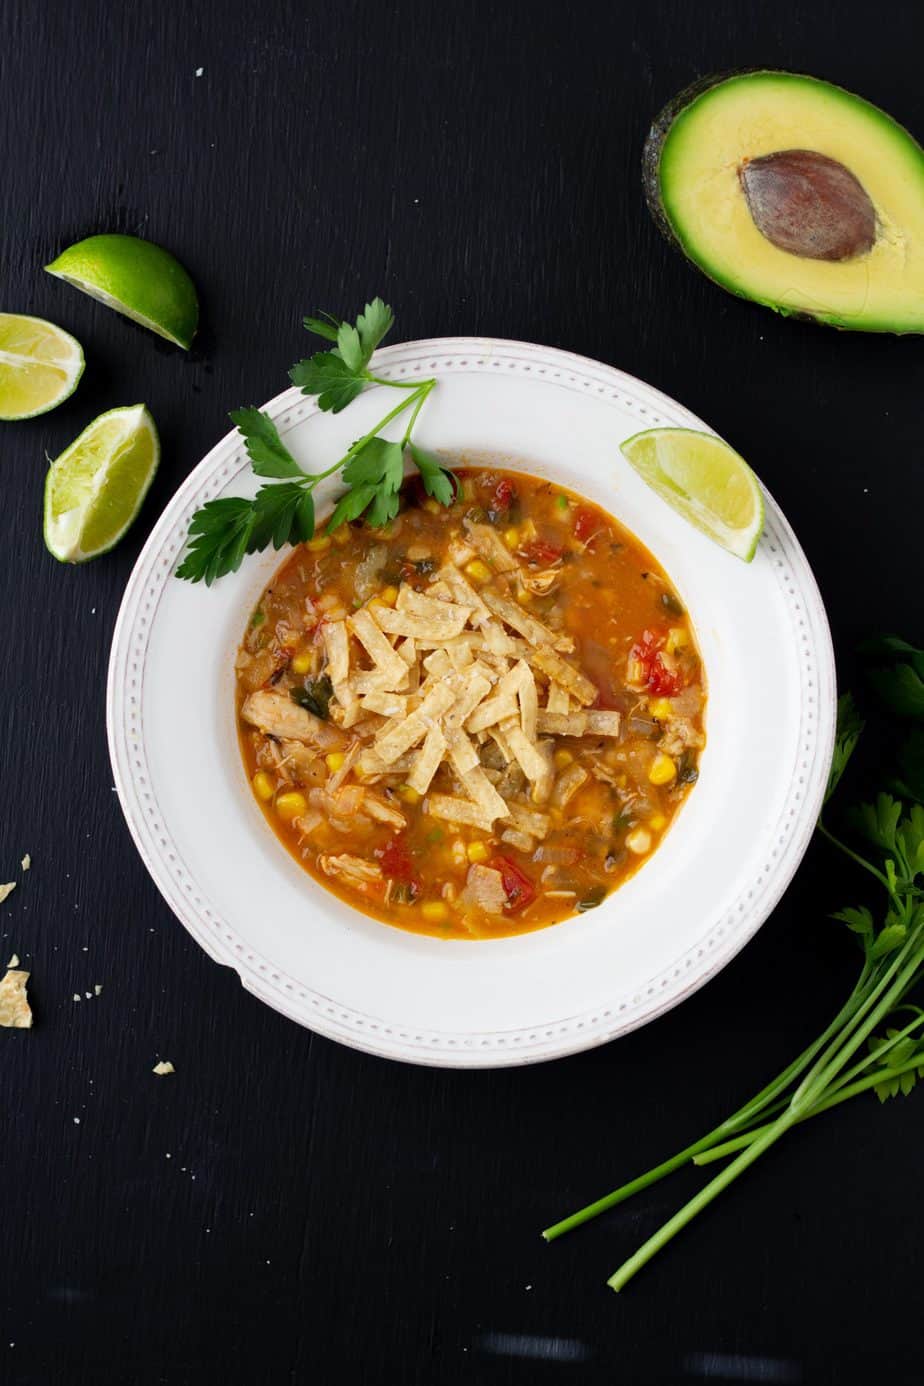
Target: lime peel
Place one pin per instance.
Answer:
(137, 278)
(704, 480)
(95, 489)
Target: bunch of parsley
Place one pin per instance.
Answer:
(875, 1043)
(223, 531)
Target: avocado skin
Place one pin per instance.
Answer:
(651, 184)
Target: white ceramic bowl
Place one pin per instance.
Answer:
(722, 867)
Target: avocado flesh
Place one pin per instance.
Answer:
(693, 161)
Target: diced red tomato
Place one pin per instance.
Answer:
(518, 888)
(541, 552)
(395, 861)
(658, 679)
(586, 524)
(505, 494)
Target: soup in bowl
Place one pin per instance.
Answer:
(479, 720)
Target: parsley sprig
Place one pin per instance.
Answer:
(223, 531)
(875, 1043)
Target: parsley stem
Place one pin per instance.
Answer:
(422, 389)
(425, 390)
(400, 384)
(854, 856)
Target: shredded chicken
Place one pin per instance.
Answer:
(276, 714)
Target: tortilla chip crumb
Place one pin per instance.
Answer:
(6, 890)
(14, 961)
(76, 995)
(26, 862)
(15, 1011)
(165, 1066)
(97, 988)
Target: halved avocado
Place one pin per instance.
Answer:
(796, 194)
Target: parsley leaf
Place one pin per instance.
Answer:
(900, 688)
(328, 376)
(324, 325)
(373, 325)
(849, 729)
(219, 537)
(438, 481)
(267, 452)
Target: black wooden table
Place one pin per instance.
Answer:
(282, 1209)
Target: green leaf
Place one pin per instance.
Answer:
(383, 509)
(268, 454)
(910, 779)
(438, 481)
(219, 536)
(303, 522)
(901, 689)
(378, 463)
(324, 325)
(889, 938)
(350, 506)
(858, 920)
(879, 821)
(373, 324)
(350, 348)
(892, 647)
(849, 728)
(330, 378)
(275, 510)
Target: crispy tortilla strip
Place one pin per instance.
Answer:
(462, 755)
(496, 734)
(570, 678)
(497, 640)
(15, 1011)
(401, 736)
(438, 664)
(532, 630)
(473, 685)
(517, 839)
(562, 723)
(274, 712)
(385, 704)
(460, 654)
(492, 711)
(603, 723)
(371, 767)
(445, 620)
(423, 604)
(337, 648)
(6, 890)
(558, 700)
(455, 810)
(534, 760)
(569, 782)
(375, 681)
(491, 547)
(462, 590)
(528, 699)
(528, 820)
(382, 811)
(427, 760)
(407, 650)
(387, 662)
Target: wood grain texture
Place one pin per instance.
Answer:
(284, 1210)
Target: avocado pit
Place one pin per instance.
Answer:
(809, 205)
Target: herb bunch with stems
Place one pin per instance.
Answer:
(875, 1043)
(223, 531)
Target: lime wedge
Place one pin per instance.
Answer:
(95, 488)
(136, 278)
(705, 481)
(39, 366)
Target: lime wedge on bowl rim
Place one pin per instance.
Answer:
(704, 480)
(94, 490)
(39, 366)
(137, 278)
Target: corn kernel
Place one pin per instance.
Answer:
(388, 596)
(477, 851)
(562, 758)
(434, 911)
(319, 544)
(408, 794)
(341, 535)
(511, 538)
(302, 663)
(478, 570)
(431, 506)
(677, 637)
(290, 805)
(661, 708)
(639, 841)
(335, 761)
(663, 770)
(524, 596)
(657, 822)
(263, 786)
